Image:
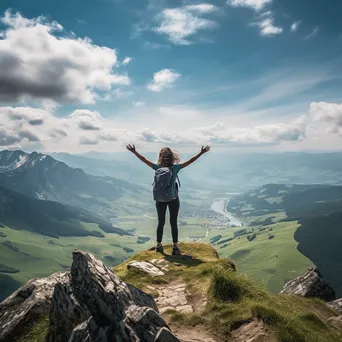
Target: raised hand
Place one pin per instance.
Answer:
(131, 148)
(205, 149)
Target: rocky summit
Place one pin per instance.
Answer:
(155, 297)
(88, 304)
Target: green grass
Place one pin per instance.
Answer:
(268, 262)
(233, 299)
(46, 258)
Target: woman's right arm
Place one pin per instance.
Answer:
(132, 149)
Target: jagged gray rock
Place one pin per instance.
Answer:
(80, 333)
(311, 284)
(120, 312)
(65, 314)
(336, 305)
(27, 304)
(145, 322)
(88, 304)
(146, 267)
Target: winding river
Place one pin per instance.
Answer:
(219, 206)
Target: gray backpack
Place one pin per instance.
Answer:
(164, 188)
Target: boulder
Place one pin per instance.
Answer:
(27, 305)
(311, 284)
(146, 267)
(336, 305)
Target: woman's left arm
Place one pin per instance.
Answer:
(204, 149)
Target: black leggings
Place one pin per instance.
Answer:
(161, 211)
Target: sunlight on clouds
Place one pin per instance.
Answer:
(163, 79)
(182, 23)
(38, 62)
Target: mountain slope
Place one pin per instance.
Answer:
(318, 210)
(42, 177)
(47, 217)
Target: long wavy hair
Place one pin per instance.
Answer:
(168, 157)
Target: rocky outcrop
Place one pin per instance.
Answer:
(311, 284)
(120, 312)
(336, 305)
(90, 303)
(27, 304)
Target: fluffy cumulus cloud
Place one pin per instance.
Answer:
(257, 5)
(181, 24)
(267, 26)
(163, 79)
(327, 116)
(87, 120)
(38, 61)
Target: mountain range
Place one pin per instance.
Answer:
(42, 177)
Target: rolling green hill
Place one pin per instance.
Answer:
(294, 225)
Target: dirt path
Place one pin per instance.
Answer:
(175, 296)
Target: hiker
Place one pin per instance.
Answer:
(165, 189)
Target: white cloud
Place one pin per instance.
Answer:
(87, 119)
(257, 5)
(139, 104)
(313, 33)
(75, 132)
(38, 62)
(126, 60)
(327, 116)
(163, 79)
(221, 134)
(295, 26)
(267, 27)
(182, 23)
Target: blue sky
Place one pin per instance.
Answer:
(242, 74)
